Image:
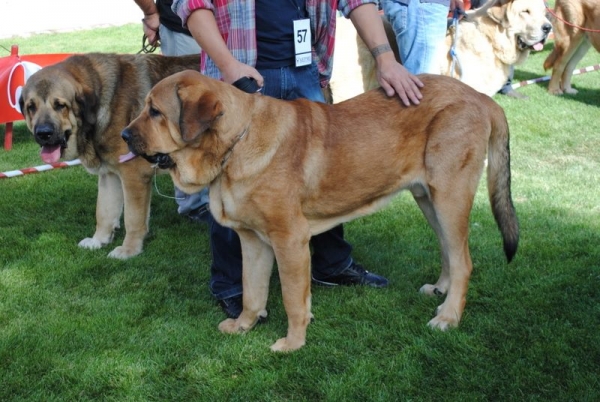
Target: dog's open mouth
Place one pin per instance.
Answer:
(539, 46)
(53, 145)
(51, 153)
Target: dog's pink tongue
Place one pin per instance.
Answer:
(538, 46)
(127, 157)
(50, 153)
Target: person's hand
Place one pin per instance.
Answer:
(236, 70)
(457, 4)
(394, 78)
(151, 23)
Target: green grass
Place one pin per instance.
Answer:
(75, 325)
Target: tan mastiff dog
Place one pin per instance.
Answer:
(282, 171)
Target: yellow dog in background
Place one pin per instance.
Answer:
(282, 171)
(486, 43)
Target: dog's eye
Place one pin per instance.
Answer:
(59, 106)
(31, 108)
(154, 112)
(526, 12)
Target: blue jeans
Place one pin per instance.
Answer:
(420, 28)
(331, 253)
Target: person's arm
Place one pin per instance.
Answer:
(203, 26)
(151, 19)
(392, 75)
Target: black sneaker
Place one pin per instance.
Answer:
(200, 214)
(233, 306)
(355, 274)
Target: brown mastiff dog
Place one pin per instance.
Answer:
(77, 109)
(282, 171)
(576, 30)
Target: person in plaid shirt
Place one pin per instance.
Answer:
(287, 48)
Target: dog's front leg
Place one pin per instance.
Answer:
(137, 190)
(258, 261)
(109, 206)
(293, 259)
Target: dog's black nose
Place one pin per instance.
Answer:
(546, 28)
(126, 135)
(44, 131)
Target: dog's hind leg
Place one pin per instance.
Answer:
(567, 48)
(581, 50)
(109, 206)
(450, 221)
(258, 258)
(441, 286)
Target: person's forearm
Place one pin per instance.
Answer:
(203, 26)
(367, 22)
(147, 6)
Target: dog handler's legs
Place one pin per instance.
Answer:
(109, 206)
(258, 262)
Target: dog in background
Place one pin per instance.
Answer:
(282, 171)
(77, 109)
(576, 30)
(487, 42)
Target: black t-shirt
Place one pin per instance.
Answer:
(168, 18)
(275, 31)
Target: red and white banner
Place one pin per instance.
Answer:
(14, 72)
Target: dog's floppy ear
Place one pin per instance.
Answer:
(498, 12)
(88, 104)
(197, 114)
(22, 104)
(483, 10)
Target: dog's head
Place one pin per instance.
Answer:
(57, 108)
(179, 113)
(525, 20)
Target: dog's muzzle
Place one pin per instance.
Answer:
(162, 161)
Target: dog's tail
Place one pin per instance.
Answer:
(498, 178)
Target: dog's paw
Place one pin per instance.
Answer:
(123, 253)
(91, 243)
(571, 91)
(231, 326)
(432, 290)
(555, 91)
(285, 345)
(442, 323)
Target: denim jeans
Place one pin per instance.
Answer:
(420, 29)
(331, 253)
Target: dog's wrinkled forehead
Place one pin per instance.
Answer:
(534, 9)
(48, 88)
